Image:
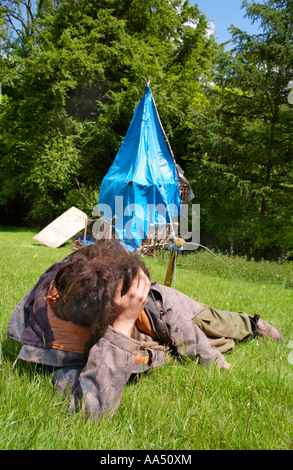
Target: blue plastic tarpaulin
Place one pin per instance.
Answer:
(141, 186)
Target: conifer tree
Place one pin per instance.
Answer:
(72, 77)
(244, 149)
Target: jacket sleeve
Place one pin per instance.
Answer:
(194, 343)
(97, 389)
(187, 337)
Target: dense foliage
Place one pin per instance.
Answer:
(72, 73)
(243, 149)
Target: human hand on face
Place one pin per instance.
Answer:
(129, 306)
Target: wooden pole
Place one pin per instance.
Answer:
(173, 261)
(163, 130)
(84, 231)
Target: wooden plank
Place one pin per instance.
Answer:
(63, 228)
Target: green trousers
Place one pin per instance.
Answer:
(223, 328)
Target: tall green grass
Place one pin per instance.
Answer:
(181, 406)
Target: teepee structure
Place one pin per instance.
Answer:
(141, 191)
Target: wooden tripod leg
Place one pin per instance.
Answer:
(173, 261)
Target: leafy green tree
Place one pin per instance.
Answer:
(72, 79)
(244, 149)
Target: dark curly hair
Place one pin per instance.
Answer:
(87, 282)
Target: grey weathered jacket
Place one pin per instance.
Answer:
(97, 386)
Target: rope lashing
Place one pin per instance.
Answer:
(175, 248)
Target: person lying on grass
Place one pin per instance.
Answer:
(96, 319)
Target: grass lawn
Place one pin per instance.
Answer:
(181, 406)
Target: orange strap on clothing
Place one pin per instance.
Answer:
(143, 359)
(144, 325)
(68, 336)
